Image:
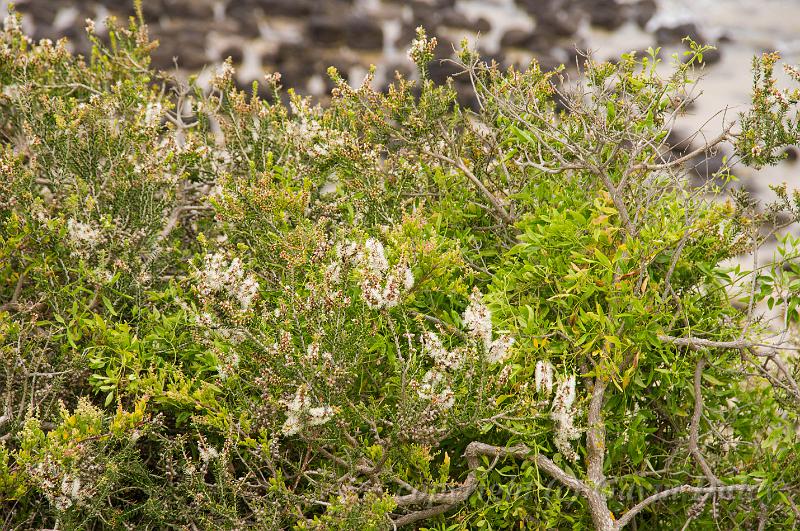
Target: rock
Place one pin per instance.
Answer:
(234, 52)
(791, 153)
(364, 34)
(678, 143)
(606, 14)
(283, 8)
(455, 19)
(554, 18)
(201, 9)
(675, 34)
(247, 19)
(326, 30)
(707, 167)
(557, 24)
(482, 25)
(517, 38)
(642, 12)
(295, 63)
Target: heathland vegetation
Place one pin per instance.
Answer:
(221, 312)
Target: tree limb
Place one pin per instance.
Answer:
(683, 489)
(694, 426)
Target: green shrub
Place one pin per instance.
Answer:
(218, 311)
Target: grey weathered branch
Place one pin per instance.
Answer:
(445, 500)
(683, 489)
(725, 135)
(694, 426)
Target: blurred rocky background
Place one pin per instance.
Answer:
(302, 38)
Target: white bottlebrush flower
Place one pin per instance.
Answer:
(300, 413)
(153, 113)
(434, 389)
(11, 23)
(222, 75)
(379, 287)
(565, 394)
(372, 292)
(347, 252)
(247, 291)
(430, 381)
(319, 415)
(83, 235)
(544, 377)
(478, 319)
(207, 453)
(333, 272)
(75, 491)
(566, 432)
(218, 275)
(391, 292)
(375, 256)
(408, 278)
(433, 347)
(292, 425)
(500, 349)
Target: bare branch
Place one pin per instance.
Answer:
(694, 426)
(683, 489)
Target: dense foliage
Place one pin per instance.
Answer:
(222, 312)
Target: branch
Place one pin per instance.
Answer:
(498, 206)
(683, 489)
(689, 156)
(423, 514)
(443, 501)
(619, 204)
(698, 343)
(694, 426)
(596, 435)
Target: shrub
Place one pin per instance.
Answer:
(220, 311)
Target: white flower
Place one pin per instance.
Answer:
(292, 425)
(299, 413)
(433, 388)
(207, 453)
(499, 349)
(564, 416)
(565, 394)
(153, 113)
(347, 252)
(447, 359)
(380, 288)
(375, 256)
(83, 235)
(544, 377)
(11, 23)
(219, 276)
(408, 278)
(334, 272)
(222, 75)
(565, 433)
(320, 415)
(391, 292)
(478, 319)
(247, 291)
